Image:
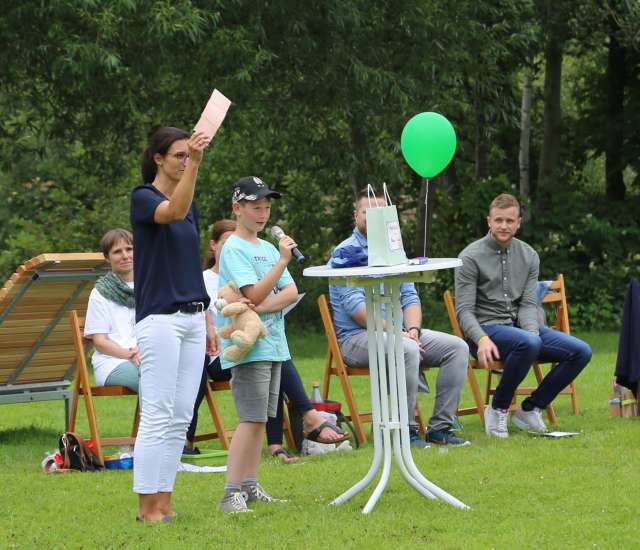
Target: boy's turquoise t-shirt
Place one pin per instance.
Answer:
(245, 263)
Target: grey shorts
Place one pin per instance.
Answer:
(255, 388)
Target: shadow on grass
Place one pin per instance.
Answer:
(26, 435)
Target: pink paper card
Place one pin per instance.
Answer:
(213, 114)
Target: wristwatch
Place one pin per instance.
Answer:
(414, 328)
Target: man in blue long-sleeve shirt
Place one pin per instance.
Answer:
(441, 350)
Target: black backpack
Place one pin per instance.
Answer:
(77, 455)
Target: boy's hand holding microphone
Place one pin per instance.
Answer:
(287, 245)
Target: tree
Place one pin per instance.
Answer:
(525, 137)
(555, 25)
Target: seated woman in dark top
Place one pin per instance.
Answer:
(290, 383)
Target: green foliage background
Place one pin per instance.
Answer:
(320, 91)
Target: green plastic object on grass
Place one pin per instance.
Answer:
(207, 458)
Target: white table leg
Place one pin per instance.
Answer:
(390, 417)
(399, 400)
(379, 393)
(405, 448)
(375, 401)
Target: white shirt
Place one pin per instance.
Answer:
(211, 284)
(114, 320)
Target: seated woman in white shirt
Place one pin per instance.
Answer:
(110, 319)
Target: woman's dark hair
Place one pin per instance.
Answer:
(217, 230)
(159, 142)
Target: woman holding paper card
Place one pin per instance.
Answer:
(171, 304)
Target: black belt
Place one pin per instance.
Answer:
(190, 307)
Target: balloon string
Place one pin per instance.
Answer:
(426, 207)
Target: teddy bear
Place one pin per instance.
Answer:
(245, 327)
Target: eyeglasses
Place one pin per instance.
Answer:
(181, 157)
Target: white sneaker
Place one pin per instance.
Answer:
(234, 503)
(495, 422)
(529, 421)
(255, 493)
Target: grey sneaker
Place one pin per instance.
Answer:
(255, 493)
(495, 422)
(446, 437)
(529, 421)
(234, 503)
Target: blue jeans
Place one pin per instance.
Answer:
(211, 370)
(518, 351)
(290, 385)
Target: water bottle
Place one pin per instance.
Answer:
(316, 396)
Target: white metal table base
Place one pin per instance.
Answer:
(389, 401)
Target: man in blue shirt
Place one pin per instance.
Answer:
(432, 348)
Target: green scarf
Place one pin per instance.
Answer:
(115, 289)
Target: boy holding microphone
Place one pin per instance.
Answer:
(259, 270)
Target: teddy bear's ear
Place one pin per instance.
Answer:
(233, 286)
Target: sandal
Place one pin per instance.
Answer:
(164, 519)
(314, 435)
(287, 457)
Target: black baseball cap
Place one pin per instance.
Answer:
(251, 188)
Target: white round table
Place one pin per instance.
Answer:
(388, 396)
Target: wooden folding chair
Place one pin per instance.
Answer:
(37, 357)
(343, 372)
(471, 365)
(557, 298)
(82, 387)
(221, 433)
(496, 370)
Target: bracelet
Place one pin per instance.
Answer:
(414, 328)
(481, 338)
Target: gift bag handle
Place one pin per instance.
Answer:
(371, 192)
(387, 198)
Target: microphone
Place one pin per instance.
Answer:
(278, 233)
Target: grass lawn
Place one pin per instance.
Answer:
(525, 492)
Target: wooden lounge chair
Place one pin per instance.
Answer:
(37, 356)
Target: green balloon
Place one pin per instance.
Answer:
(428, 143)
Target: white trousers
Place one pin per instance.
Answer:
(172, 349)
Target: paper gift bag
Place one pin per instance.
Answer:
(383, 232)
(622, 402)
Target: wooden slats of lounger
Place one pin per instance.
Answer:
(35, 346)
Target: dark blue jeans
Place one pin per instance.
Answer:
(519, 349)
(290, 385)
(213, 371)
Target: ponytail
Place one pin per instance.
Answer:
(216, 231)
(209, 261)
(149, 167)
